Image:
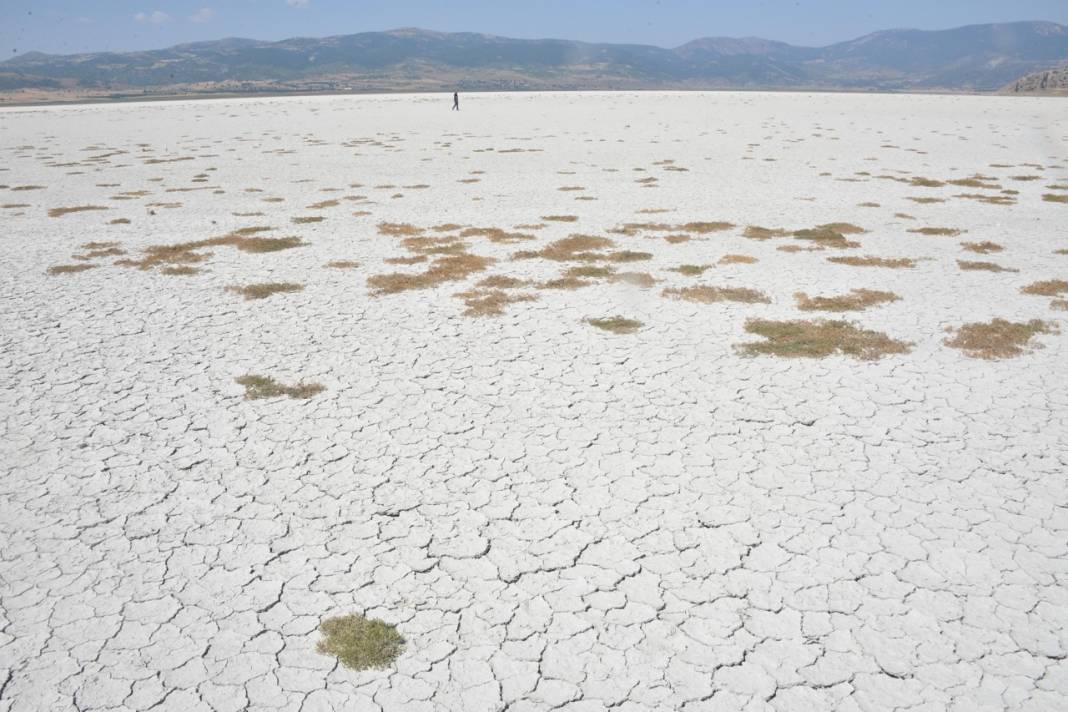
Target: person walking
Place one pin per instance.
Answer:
(456, 101)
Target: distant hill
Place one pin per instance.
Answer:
(974, 58)
(1049, 82)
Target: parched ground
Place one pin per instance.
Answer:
(574, 390)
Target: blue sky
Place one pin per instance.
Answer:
(70, 26)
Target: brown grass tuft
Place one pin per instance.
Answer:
(450, 268)
(449, 245)
(818, 339)
(703, 228)
(559, 218)
(755, 232)
(575, 247)
(490, 302)
(983, 266)
(399, 229)
(180, 271)
(258, 387)
(60, 212)
(266, 289)
(857, 300)
(1047, 288)
(705, 294)
(843, 228)
(497, 235)
(691, 270)
(414, 260)
(983, 248)
(500, 281)
(68, 269)
(1054, 198)
(566, 282)
(737, 260)
(997, 338)
(942, 231)
(303, 220)
(869, 261)
(615, 324)
(360, 643)
(826, 237)
(628, 256)
(590, 271)
(343, 264)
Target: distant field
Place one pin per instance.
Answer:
(578, 401)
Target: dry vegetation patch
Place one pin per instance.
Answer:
(705, 294)
(360, 643)
(843, 228)
(818, 339)
(1054, 198)
(501, 281)
(189, 252)
(575, 247)
(491, 302)
(399, 229)
(856, 300)
(615, 324)
(449, 268)
(755, 232)
(826, 237)
(940, 231)
(559, 218)
(259, 387)
(60, 212)
(497, 235)
(998, 338)
(343, 264)
(700, 228)
(591, 271)
(180, 271)
(1047, 288)
(869, 261)
(302, 220)
(970, 266)
(982, 248)
(691, 270)
(737, 260)
(69, 269)
(265, 289)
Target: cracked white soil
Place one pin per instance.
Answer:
(554, 516)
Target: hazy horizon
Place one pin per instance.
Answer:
(69, 27)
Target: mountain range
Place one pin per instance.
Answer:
(972, 58)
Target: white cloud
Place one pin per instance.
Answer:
(297, 3)
(204, 14)
(157, 17)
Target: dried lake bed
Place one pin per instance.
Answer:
(635, 401)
